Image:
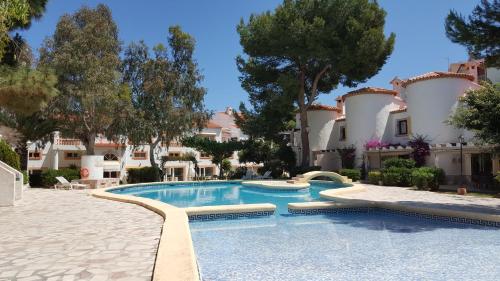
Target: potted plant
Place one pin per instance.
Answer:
(462, 190)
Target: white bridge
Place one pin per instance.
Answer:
(314, 174)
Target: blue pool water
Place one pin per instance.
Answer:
(355, 246)
(227, 193)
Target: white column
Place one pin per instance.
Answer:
(55, 159)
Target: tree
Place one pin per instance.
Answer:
(309, 47)
(84, 53)
(167, 99)
(479, 112)
(479, 33)
(16, 14)
(217, 150)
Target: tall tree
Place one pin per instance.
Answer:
(218, 151)
(309, 47)
(167, 99)
(84, 52)
(479, 33)
(479, 112)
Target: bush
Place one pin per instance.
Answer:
(145, 174)
(394, 176)
(238, 173)
(9, 156)
(428, 178)
(275, 166)
(303, 170)
(399, 163)
(374, 177)
(49, 176)
(26, 177)
(353, 174)
(422, 179)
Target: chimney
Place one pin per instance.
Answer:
(229, 111)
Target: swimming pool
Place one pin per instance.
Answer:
(227, 193)
(375, 245)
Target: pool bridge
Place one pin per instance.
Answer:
(304, 178)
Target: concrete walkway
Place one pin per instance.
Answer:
(69, 235)
(418, 198)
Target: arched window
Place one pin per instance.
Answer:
(110, 157)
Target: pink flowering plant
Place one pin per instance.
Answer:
(375, 143)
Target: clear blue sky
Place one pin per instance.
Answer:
(421, 44)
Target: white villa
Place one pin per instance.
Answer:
(415, 106)
(118, 158)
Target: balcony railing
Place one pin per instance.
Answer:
(68, 142)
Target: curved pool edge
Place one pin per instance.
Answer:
(275, 185)
(337, 195)
(175, 257)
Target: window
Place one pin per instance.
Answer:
(204, 155)
(342, 133)
(140, 155)
(174, 154)
(34, 155)
(111, 174)
(110, 157)
(402, 127)
(72, 156)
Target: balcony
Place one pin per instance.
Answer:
(68, 142)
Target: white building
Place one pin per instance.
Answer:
(118, 158)
(415, 106)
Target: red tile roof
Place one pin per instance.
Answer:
(437, 75)
(402, 108)
(324, 107)
(369, 90)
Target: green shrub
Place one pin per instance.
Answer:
(428, 178)
(394, 176)
(497, 178)
(145, 174)
(26, 177)
(374, 177)
(49, 176)
(399, 163)
(9, 156)
(237, 173)
(303, 170)
(353, 174)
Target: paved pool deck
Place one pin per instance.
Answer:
(417, 198)
(70, 235)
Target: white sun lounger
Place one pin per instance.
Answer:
(64, 183)
(266, 175)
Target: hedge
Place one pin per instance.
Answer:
(9, 156)
(399, 163)
(397, 176)
(427, 178)
(49, 176)
(353, 174)
(374, 177)
(145, 174)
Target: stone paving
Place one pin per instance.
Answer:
(70, 235)
(412, 197)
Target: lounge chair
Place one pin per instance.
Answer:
(64, 183)
(266, 175)
(248, 176)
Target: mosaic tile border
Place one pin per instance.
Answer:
(162, 185)
(230, 216)
(394, 211)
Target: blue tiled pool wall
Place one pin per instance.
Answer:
(230, 216)
(327, 211)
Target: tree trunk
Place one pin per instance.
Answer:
(304, 134)
(22, 150)
(152, 146)
(91, 144)
(304, 137)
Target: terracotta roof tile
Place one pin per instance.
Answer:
(402, 108)
(369, 90)
(437, 75)
(324, 107)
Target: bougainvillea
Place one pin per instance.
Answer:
(375, 143)
(420, 148)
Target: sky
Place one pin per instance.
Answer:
(421, 44)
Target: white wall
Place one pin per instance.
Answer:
(493, 74)
(321, 123)
(431, 102)
(366, 118)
